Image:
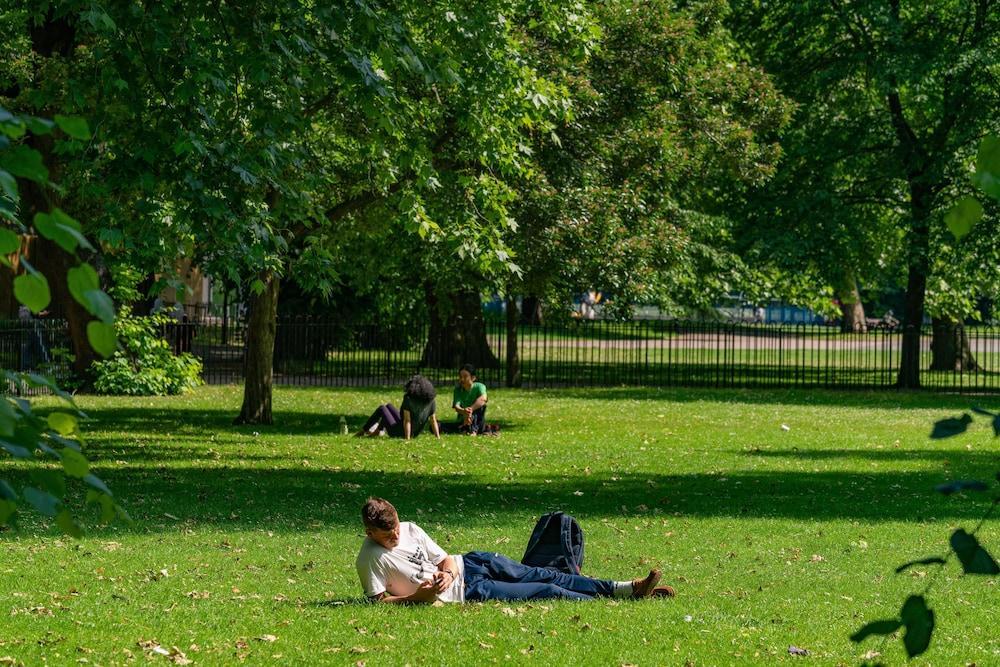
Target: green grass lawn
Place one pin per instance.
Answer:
(245, 538)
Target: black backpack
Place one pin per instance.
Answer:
(557, 543)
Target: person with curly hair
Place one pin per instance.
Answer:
(418, 408)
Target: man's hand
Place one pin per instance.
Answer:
(443, 581)
(427, 592)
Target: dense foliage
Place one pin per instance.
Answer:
(144, 364)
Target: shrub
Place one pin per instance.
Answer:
(144, 364)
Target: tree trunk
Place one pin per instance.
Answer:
(916, 288)
(51, 37)
(258, 353)
(531, 310)
(513, 359)
(54, 263)
(458, 335)
(950, 347)
(852, 311)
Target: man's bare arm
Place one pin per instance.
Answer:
(427, 592)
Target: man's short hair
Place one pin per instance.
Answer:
(379, 513)
(469, 368)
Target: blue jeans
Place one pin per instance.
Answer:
(491, 576)
(478, 424)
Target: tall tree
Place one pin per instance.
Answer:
(912, 87)
(632, 195)
(264, 127)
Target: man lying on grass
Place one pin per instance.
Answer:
(400, 563)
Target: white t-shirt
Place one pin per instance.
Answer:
(400, 570)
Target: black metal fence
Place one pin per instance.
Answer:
(568, 354)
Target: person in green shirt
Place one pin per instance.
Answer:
(469, 403)
(418, 408)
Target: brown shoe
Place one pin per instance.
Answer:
(663, 592)
(643, 588)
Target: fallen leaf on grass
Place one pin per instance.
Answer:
(816, 558)
(795, 650)
(359, 649)
(266, 638)
(198, 595)
(177, 656)
(507, 611)
(485, 645)
(871, 655)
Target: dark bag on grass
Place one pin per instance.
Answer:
(556, 542)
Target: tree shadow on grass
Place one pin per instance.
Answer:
(885, 399)
(975, 462)
(202, 423)
(308, 499)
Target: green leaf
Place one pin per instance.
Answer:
(919, 622)
(100, 305)
(8, 418)
(7, 510)
(43, 501)
(74, 126)
(975, 559)
(105, 501)
(933, 560)
(61, 228)
(107, 509)
(65, 442)
(75, 464)
(988, 156)
(81, 279)
(68, 525)
(24, 162)
(7, 491)
(38, 125)
(9, 242)
(94, 482)
(62, 423)
(49, 480)
(17, 451)
(102, 338)
(885, 627)
(963, 216)
(37, 380)
(123, 515)
(9, 185)
(14, 129)
(32, 289)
